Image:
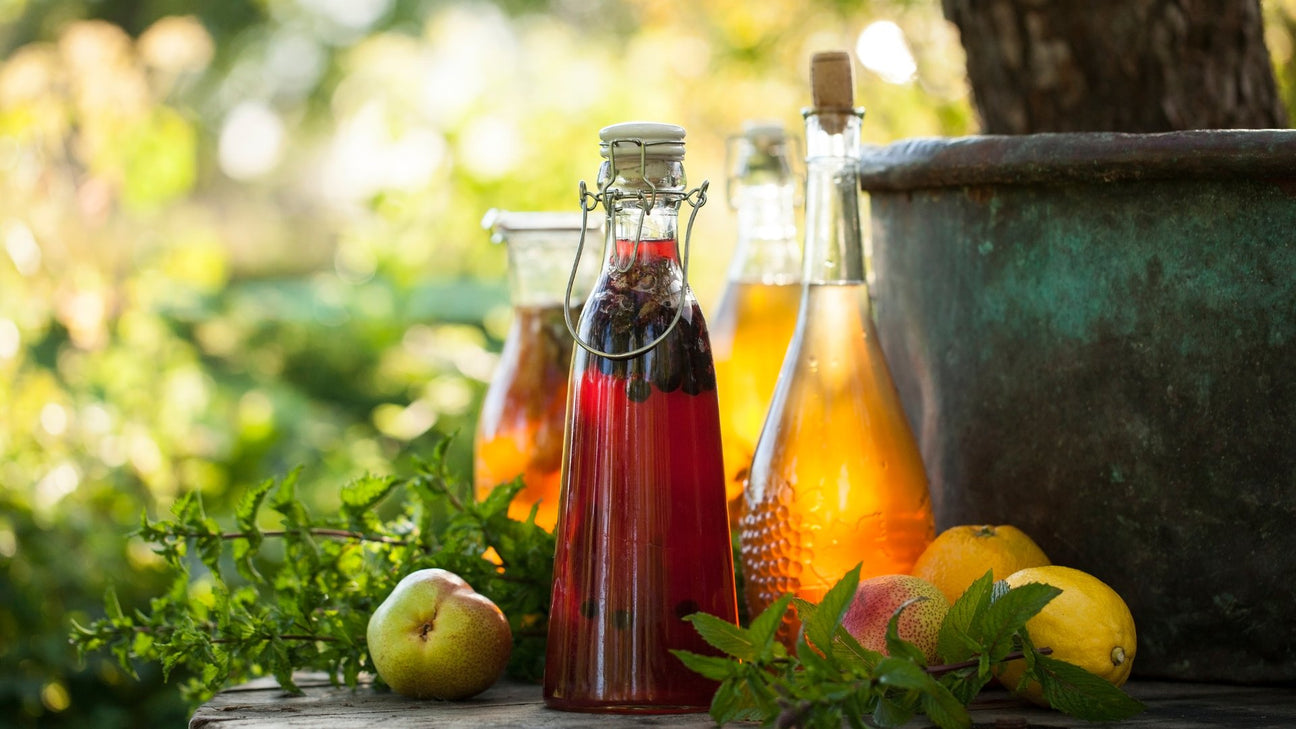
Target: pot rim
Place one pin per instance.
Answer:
(1080, 157)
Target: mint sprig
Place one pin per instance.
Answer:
(831, 679)
(1075, 691)
(278, 589)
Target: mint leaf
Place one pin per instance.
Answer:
(245, 512)
(812, 658)
(902, 648)
(245, 516)
(852, 654)
(923, 692)
(1007, 615)
(902, 673)
(821, 626)
(359, 497)
(715, 668)
(966, 683)
(955, 641)
(757, 683)
(891, 713)
(733, 702)
(499, 498)
(1029, 654)
(1075, 691)
(724, 635)
(112, 606)
(286, 503)
(945, 709)
(764, 627)
(805, 609)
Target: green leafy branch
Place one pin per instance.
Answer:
(245, 600)
(831, 678)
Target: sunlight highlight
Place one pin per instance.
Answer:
(405, 423)
(295, 61)
(368, 156)
(10, 339)
(354, 15)
(21, 246)
(490, 148)
(883, 50)
(251, 141)
(177, 44)
(62, 480)
(54, 419)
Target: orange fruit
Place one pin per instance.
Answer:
(1088, 625)
(962, 554)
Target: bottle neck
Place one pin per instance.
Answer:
(643, 198)
(834, 242)
(767, 249)
(633, 222)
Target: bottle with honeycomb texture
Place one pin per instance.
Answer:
(643, 534)
(837, 478)
(753, 322)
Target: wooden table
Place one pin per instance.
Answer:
(262, 705)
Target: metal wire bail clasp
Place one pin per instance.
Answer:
(610, 198)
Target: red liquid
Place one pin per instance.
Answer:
(643, 537)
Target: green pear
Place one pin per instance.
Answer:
(435, 637)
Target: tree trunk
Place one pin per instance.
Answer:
(1117, 65)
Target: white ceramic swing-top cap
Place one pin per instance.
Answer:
(659, 141)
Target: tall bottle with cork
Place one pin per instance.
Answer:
(754, 320)
(837, 478)
(643, 534)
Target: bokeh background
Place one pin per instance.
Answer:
(241, 236)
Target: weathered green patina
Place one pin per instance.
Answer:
(1095, 339)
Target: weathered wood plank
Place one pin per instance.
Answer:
(263, 705)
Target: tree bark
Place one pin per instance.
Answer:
(1117, 65)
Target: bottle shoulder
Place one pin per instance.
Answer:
(835, 358)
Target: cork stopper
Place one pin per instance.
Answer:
(832, 86)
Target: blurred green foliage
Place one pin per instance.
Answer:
(241, 236)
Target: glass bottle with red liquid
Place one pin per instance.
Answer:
(837, 478)
(757, 312)
(520, 426)
(643, 533)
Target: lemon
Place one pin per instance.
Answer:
(961, 554)
(1088, 625)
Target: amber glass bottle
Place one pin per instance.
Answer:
(643, 533)
(520, 426)
(756, 315)
(837, 478)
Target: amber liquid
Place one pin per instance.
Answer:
(837, 478)
(520, 428)
(643, 538)
(750, 332)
